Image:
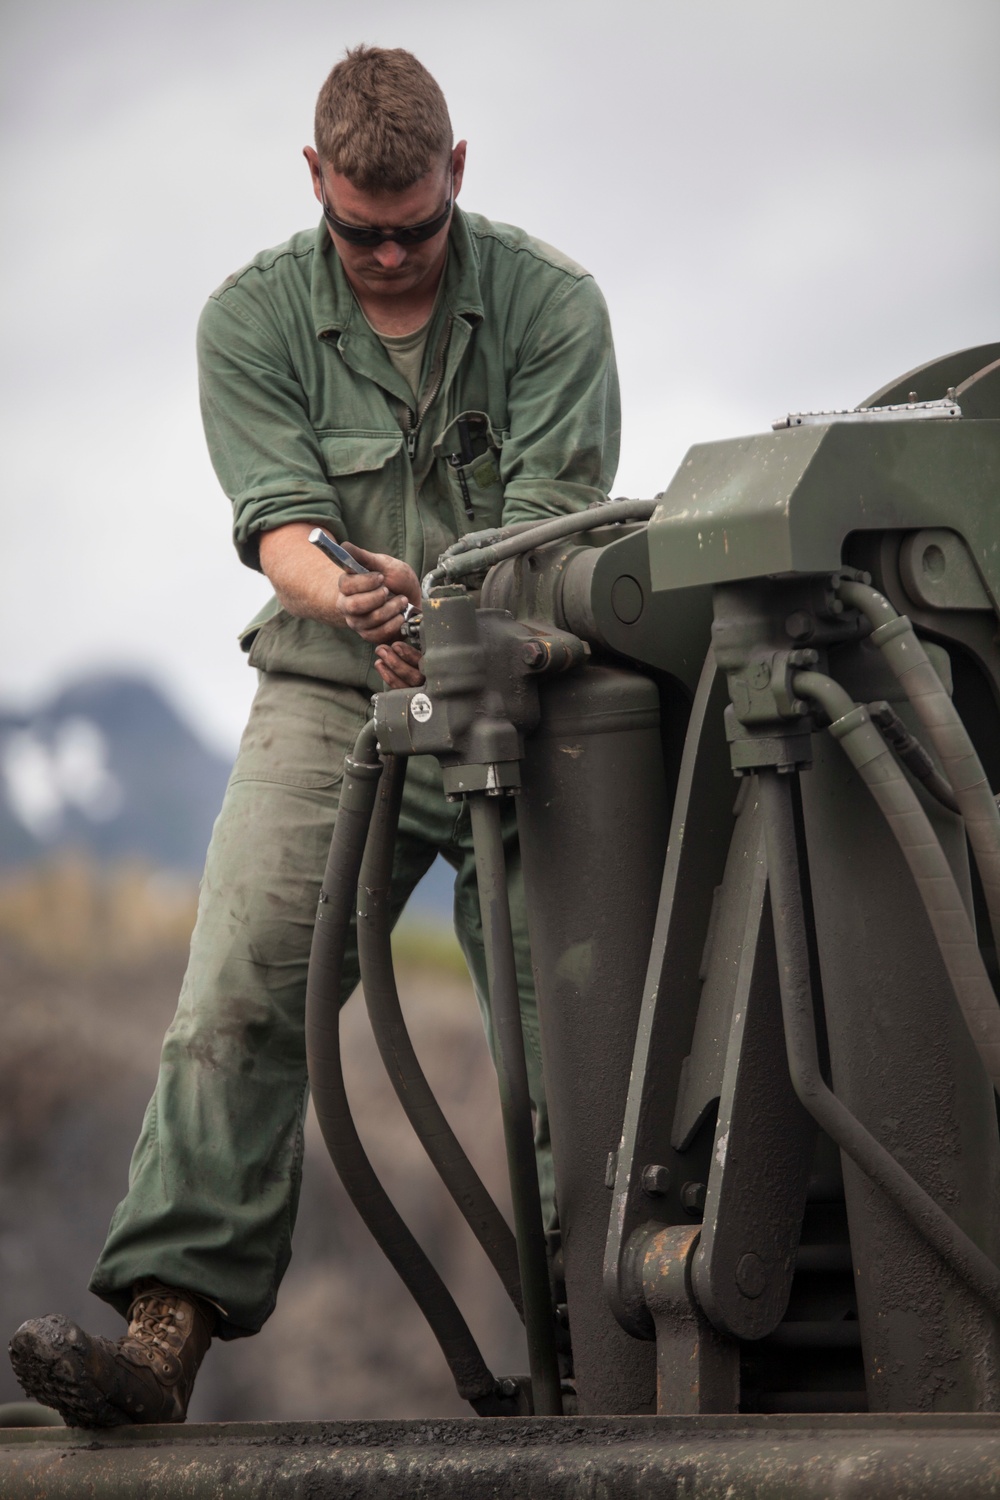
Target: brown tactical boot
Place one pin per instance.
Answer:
(146, 1376)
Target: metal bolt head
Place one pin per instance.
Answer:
(534, 654)
(800, 625)
(751, 1275)
(507, 1387)
(656, 1180)
(693, 1197)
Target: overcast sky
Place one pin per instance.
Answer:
(786, 205)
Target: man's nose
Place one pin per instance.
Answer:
(390, 255)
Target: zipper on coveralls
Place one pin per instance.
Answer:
(413, 420)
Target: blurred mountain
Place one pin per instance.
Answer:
(109, 768)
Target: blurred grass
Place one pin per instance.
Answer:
(425, 944)
(70, 911)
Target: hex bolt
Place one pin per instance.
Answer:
(534, 655)
(656, 1180)
(800, 625)
(693, 1198)
(506, 1387)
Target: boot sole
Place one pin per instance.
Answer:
(47, 1356)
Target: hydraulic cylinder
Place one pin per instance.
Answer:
(592, 820)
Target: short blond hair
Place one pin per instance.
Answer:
(381, 120)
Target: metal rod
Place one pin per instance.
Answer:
(951, 1243)
(378, 980)
(515, 1103)
(844, 1335)
(323, 1000)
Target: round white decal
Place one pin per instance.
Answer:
(421, 707)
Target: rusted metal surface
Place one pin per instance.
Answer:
(697, 1369)
(511, 1459)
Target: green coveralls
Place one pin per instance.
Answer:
(307, 420)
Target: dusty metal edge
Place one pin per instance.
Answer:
(526, 1431)
(717, 1458)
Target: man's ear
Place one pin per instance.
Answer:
(315, 169)
(458, 164)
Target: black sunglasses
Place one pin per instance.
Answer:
(408, 234)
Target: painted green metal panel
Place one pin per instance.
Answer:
(785, 501)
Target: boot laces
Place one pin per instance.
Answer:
(157, 1321)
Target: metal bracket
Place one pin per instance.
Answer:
(697, 1370)
(764, 1140)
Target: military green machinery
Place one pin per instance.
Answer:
(750, 732)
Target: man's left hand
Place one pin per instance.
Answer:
(398, 665)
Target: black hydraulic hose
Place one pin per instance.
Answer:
(941, 1233)
(473, 540)
(912, 754)
(389, 1027)
(515, 1103)
(456, 565)
(895, 637)
(326, 961)
(950, 922)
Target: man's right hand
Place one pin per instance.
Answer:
(309, 586)
(372, 603)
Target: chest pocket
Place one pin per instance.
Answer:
(469, 449)
(369, 485)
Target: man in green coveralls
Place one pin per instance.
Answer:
(400, 376)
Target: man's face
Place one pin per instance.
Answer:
(390, 269)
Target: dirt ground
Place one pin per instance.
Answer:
(78, 1052)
